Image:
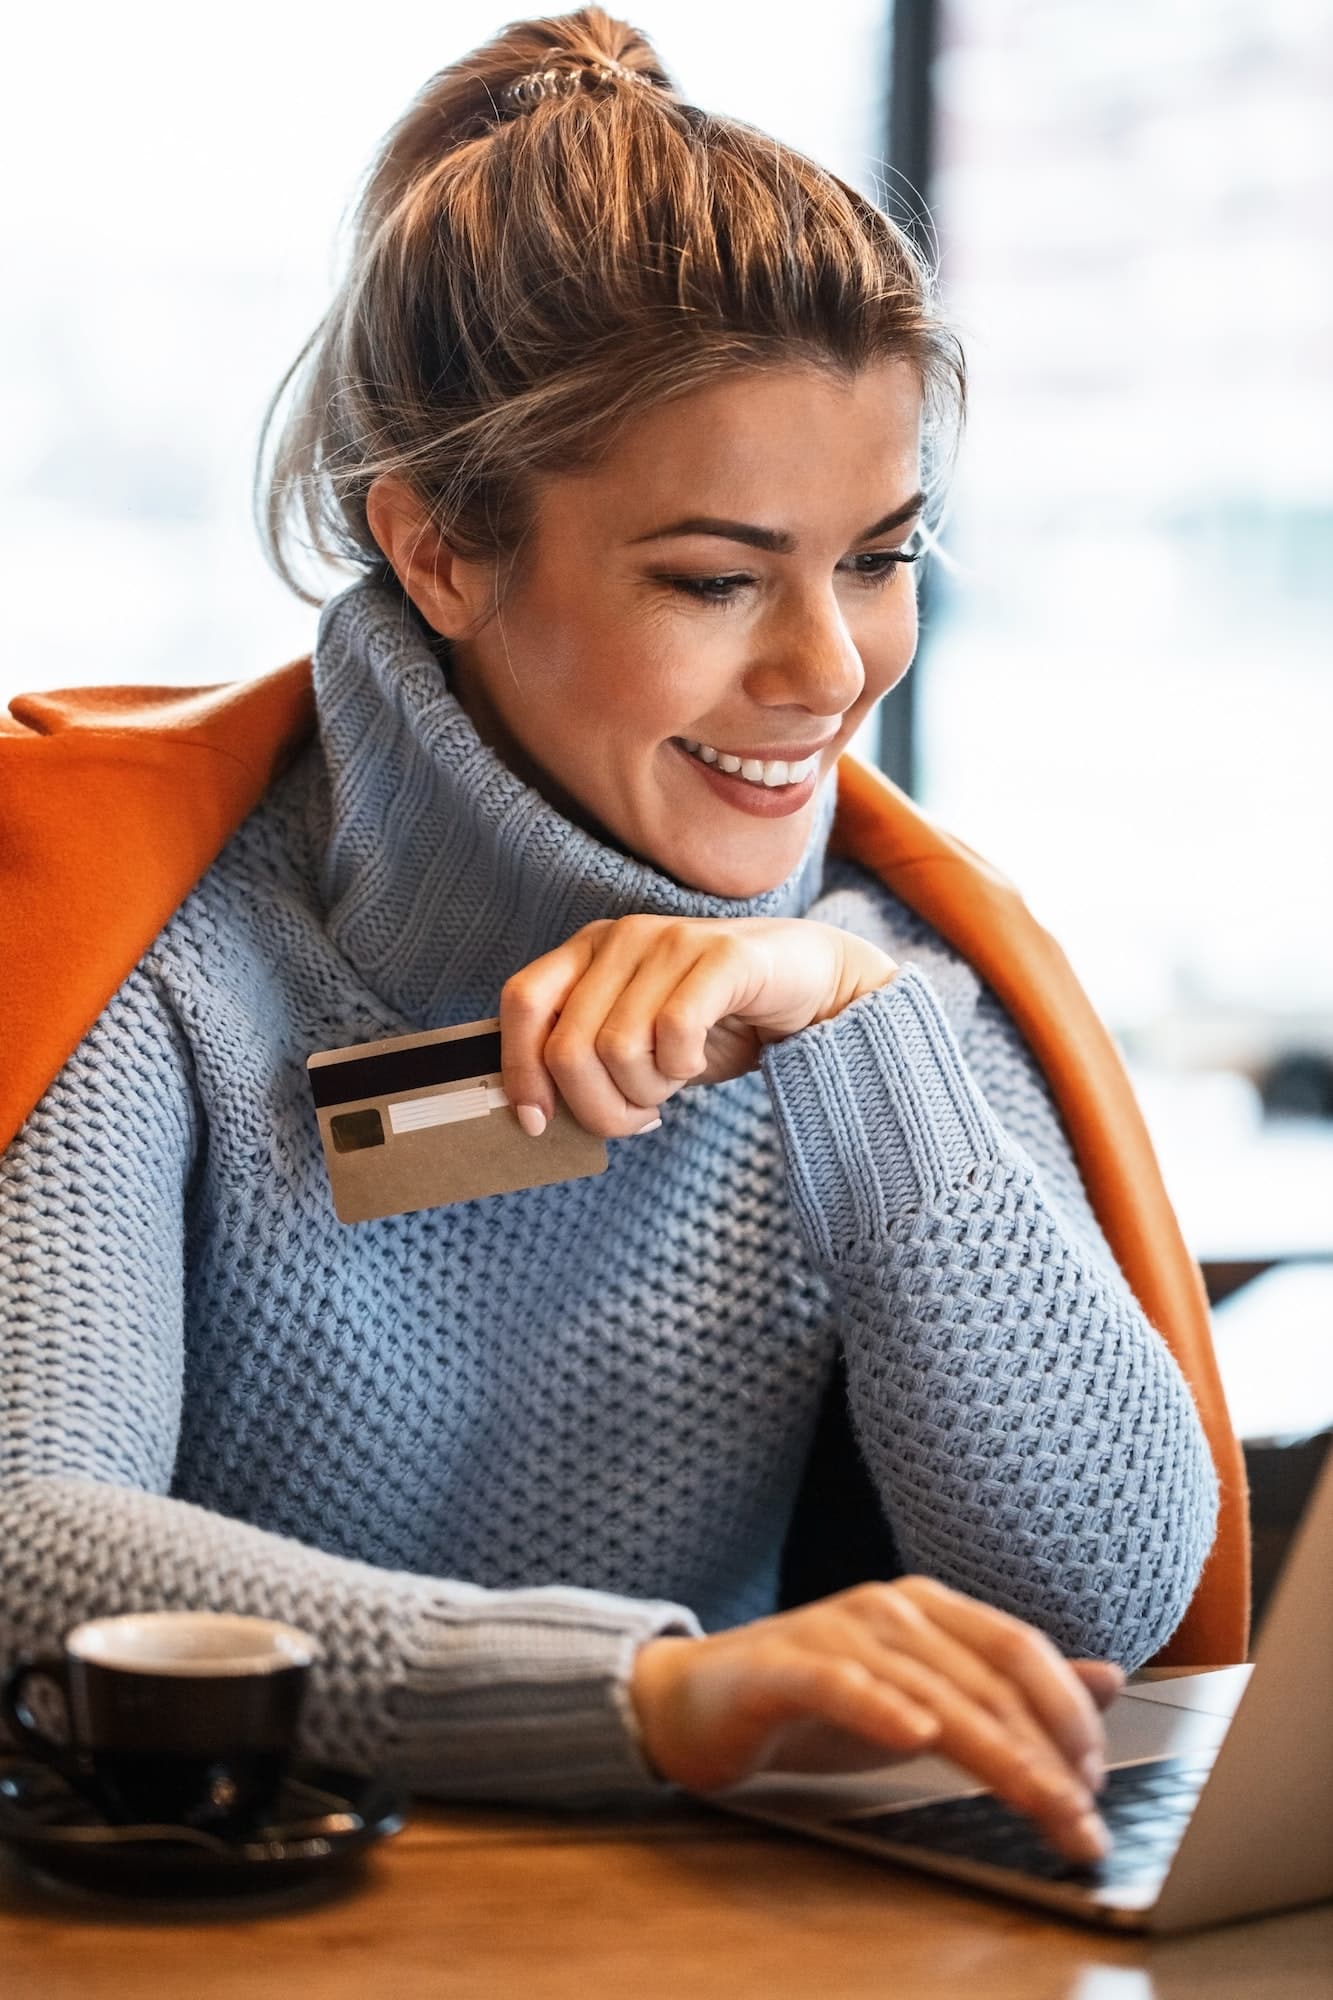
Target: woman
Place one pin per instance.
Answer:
(629, 417)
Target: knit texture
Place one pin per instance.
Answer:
(483, 1452)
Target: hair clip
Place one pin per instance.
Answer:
(526, 91)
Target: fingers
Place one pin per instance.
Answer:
(632, 1008)
(1031, 1783)
(895, 1701)
(842, 1680)
(720, 979)
(904, 1629)
(715, 1709)
(530, 1006)
(627, 1037)
(617, 1019)
(1103, 1679)
(986, 1724)
(1027, 1662)
(601, 1052)
(854, 1698)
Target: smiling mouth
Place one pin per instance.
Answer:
(746, 796)
(771, 773)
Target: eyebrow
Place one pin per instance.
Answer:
(776, 541)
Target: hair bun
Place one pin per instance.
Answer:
(521, 286)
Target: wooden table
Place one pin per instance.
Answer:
(674, 1902)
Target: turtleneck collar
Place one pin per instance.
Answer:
(443, 872)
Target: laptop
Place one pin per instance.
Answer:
(1218, 1799)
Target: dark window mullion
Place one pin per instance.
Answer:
(909, 159)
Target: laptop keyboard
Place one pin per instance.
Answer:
(1146, 1808)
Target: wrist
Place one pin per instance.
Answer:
(865, 970)
(861, 968)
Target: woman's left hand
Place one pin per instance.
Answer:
(630, 1009)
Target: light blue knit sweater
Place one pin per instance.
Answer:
(483, 1452)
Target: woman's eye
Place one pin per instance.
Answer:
(710, 589)
(877, 566)
(873, 568)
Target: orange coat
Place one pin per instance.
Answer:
(114, 801)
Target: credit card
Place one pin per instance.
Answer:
(418, 1121)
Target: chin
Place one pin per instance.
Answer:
(740, 882)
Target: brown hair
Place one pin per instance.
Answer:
(524, 280)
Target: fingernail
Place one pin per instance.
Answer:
(532, 1118)
(1093, 1770)
(647, 1128)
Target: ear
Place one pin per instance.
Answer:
(451, 593)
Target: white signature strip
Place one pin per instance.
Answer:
(418, 1112)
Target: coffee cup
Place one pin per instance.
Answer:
(172, 1717)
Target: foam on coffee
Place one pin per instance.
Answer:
(191, 1643)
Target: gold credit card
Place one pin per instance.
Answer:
(421, 1120)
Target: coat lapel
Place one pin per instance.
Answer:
(113, 803)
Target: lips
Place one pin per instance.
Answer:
(758, 801)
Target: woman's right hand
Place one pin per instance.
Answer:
(905, 1667)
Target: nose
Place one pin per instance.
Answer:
(805, 658)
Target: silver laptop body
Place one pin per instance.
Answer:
(1252, 1747)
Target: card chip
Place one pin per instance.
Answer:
(353, 1131)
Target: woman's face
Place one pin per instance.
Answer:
(725, 577)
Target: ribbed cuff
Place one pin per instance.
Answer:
(877, 1113)
(524, 1696)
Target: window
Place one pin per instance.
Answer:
(172, 247)
(1125, 698)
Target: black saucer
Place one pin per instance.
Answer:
(321, 1820)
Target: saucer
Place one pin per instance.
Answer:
(321, 1820)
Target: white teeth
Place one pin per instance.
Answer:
(772, 773)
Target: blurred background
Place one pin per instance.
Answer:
(1123, 696)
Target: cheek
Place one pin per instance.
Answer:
(887, 641)
(622, 695)
(656, 680)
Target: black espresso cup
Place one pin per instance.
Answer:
(172, 1717)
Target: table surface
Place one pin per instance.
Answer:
(674, 1902)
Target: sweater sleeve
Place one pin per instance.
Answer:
(466, 1692)
(1032, 1440)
